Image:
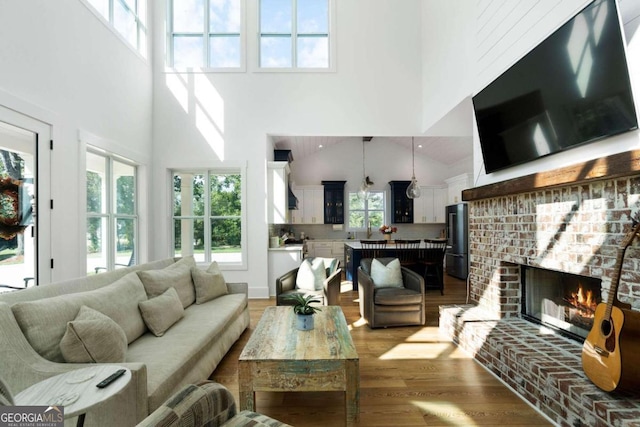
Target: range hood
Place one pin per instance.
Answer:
(292, 200)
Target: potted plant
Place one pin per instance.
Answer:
(304, 310)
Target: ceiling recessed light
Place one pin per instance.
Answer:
(419, 145)
(320, 146)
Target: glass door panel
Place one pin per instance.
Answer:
(17, 207)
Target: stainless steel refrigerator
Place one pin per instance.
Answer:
(457, 256)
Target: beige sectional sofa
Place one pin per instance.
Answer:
(33, 323)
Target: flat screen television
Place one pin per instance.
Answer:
(571, 89)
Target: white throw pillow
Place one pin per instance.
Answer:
(389, 275)
(311, 275)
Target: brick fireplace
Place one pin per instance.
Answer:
(574, 228)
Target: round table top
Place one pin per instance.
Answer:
(75, 390)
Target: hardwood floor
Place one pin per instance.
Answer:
(409, 376)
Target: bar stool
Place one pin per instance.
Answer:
(407, 251)
(432, 258)
(371, 248)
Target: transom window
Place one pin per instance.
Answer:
(112, 218)
(295, 33)
(206, 34)
(128, 18)
(208, 216)
(364, 213)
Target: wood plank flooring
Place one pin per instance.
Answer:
(409, 376)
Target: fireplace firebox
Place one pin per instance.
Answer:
(562, 301)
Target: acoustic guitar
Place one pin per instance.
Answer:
(603, 359)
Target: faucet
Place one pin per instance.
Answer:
(369, 230)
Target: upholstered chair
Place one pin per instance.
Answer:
(309, 280)
(386, 304)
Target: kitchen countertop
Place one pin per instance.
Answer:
(355, 244)
(288, 248)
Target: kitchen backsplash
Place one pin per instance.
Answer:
(327, 232)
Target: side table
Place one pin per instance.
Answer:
(75, 390)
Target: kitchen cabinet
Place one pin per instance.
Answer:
(323, 249)
(401, 205)
(333, 202)
(430, 206)
(312, 205)
(278, 192)
(297, 215)
(326, 249)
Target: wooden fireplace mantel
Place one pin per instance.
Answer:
(614, 166)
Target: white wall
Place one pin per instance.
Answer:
(61, 65)
(447, 73)
(505, 31)
(204, 120)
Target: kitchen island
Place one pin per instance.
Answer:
(353, 255)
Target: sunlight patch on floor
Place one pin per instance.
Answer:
(448, 412)
(424, 350)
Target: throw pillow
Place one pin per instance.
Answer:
(311, 275)
(209, 284)
(93, 337)
(162, 312)
(389, 275)
(177, 275)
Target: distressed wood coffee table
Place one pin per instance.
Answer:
(280, 358)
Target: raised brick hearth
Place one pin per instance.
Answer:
(576, 229)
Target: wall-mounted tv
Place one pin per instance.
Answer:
(571, 89)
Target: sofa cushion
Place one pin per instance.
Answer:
(162, 312)
(93, 337)
(208, 284)
(177, 276)
(389, 275)
(44, 322)
(311, 275)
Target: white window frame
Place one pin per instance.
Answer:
(110, 213)
(206, 217)
(294, 34)
(366, 210)
(142, 44)
(206, 36)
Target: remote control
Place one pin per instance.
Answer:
(111, 378)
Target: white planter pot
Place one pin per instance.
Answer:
(304, 322)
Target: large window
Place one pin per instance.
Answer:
(206, 34)
(207, 216)
(128, 18)
(364, 213)
(112, 218)
(295, 34)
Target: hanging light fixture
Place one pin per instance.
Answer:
(363, 191)
(413, 190)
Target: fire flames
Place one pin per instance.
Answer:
(584, 301)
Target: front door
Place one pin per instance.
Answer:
(20, 190)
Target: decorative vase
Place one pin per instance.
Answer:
(387, 237)
(304, 322)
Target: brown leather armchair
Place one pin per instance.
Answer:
(391, 306)
(329, 295)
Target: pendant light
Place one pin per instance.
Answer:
(413, 191)
(363, 191)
